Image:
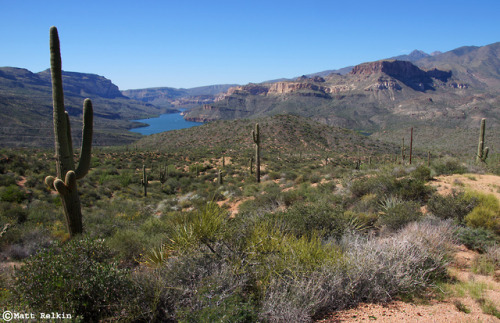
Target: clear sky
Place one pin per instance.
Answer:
(184, 43)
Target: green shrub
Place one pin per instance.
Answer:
(78, 278)
(422, 173)
(12, 193)
(478, 239)
(449, 166)
(453, 206)
(302, 219)
(399, 214)
(486, 214)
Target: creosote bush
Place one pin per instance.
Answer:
(79, 277)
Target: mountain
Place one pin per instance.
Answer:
(26, 108)
(412, 57)
(178, 98)
(444, 91)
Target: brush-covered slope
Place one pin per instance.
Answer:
(26, 107)
(284, 134)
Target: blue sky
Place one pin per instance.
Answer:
(140, 44)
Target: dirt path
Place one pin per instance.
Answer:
(439, 310)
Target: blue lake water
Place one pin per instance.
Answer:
(165, 122)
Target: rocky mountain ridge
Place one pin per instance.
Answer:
(447, 90)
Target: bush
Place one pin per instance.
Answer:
(12, 193)
(422, 173)
(486, 214)
(78, 277)
(454, 206)
(398, 214)
(478, 239)
(306, 218)
(449, 166)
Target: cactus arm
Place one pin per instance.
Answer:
(85, 151)
(49, 181)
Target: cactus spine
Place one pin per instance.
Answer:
(256, 140)
(65, 165)
(144, 180)
(482, 153)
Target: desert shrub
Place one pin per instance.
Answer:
(453, 206)
(7, 179)
(412, 189)
(372, 270)
(396, 214)
(486, 214)
(78, 277)
(196, 287)
(448, 166)
(478, 239)
(13, 213)
(129, 244)
(305, 218)
(412, 259)
(12, 193)
(421, 173)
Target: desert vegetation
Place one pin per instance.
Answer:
(314, 236)
(273, 219)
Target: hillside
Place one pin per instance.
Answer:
(178, 98)
(280, 134)
(26, 108)
(441, 91)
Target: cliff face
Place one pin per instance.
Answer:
(370, 90)
(85, 84)
(403, 71)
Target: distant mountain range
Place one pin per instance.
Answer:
(443, 91)
(439, 90)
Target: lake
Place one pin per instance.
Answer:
(165, 122)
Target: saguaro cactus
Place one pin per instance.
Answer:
(482, 153)
(411, 143)
(65, 164)
(256, 140)
(220, 178)
(144, 180)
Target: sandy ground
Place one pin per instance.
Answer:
(435, 310)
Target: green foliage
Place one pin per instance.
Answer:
(78, 277)
(453, 206)
(449, 166)
(486, 214)
(12, 193)
(397, 214)
(478, 239)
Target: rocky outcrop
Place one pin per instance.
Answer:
(85, 84)
(403, 71)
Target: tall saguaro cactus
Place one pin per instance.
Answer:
(482, 153)
(65, 164)
(256, 140)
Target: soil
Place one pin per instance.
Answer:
(434, 309)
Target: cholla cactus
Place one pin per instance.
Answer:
(67, 174)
